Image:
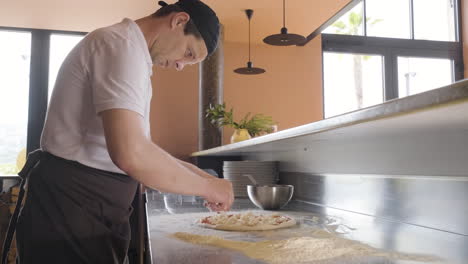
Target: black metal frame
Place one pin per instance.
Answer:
(39, 80)
(330, 21)
(391, 48)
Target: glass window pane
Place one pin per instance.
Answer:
(60, 46)
(351, 82)
(390, 19)
(416, 75)
(15, 54)
(434, 20)
(349, 24)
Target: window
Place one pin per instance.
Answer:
(15, 51)
(434, 20)
(386, 49)
(27, 58)
(415, 76)
(60, 46)
(389, 19)
(353, 89)
(350, 24)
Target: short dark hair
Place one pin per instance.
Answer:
(190, 27)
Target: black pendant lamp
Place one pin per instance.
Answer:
(284, 38)
(249, 69)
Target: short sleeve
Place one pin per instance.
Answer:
(118, 76)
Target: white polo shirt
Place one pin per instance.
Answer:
(110, 68)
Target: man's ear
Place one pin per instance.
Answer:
(179, 19)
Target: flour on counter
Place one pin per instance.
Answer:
(316, 239)
(302, 249)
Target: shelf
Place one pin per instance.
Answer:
(439, 110)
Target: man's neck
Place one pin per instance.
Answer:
(149, 26)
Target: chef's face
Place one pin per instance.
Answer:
(175, 49)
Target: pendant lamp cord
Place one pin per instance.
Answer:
(284, 13)
(249, 39)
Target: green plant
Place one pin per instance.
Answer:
(256, 124)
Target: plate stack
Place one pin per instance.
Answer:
(264, 172)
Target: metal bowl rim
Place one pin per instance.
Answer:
(270, 186)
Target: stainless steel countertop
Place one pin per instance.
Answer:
(166, 217)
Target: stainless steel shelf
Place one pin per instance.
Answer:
(441, 109)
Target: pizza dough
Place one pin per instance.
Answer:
(247, 221)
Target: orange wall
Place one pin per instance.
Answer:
(290, 91)
(82, 15)
(174, 110)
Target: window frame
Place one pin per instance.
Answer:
(38, 80)
(392, 48)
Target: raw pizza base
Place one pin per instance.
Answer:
(247, 221)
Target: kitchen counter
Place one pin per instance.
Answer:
(178, 214)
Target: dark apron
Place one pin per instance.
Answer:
(72, 213)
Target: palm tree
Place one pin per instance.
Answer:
(352, 28)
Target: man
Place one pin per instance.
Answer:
(97, 132)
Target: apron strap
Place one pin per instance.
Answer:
(32, 161)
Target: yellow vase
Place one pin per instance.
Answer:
(240, 135)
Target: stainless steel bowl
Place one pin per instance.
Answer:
(270, 197)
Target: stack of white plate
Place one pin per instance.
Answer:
(264, 172)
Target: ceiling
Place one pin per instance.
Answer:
(302, 16)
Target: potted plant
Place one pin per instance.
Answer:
(247, 127)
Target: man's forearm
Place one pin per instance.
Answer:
(159, 170)
(195, 169)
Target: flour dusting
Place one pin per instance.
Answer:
(300, 249)
(315, 239)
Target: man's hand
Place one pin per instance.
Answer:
(223, 205)
(220, 195)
